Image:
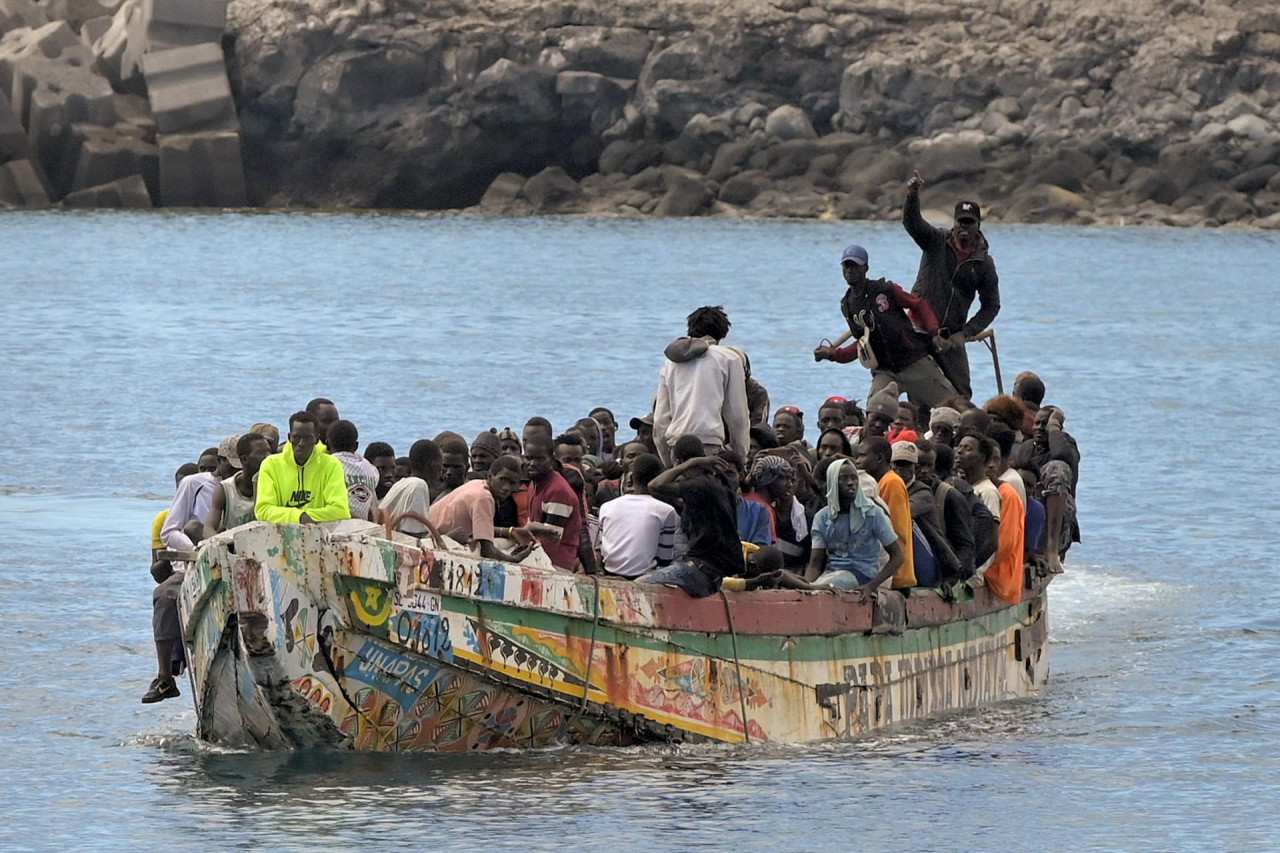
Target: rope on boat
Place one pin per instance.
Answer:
(737, 665)
(591, 655)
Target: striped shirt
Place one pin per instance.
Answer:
(553, 501)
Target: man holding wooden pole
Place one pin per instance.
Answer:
(955, 266)
(893, 333)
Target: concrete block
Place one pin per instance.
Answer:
(13, 138)
(76, 12)
(201, 170)
(49, 41)
(135, 110)
(99, 155)
(129, 192)
(51, 95)
(164, 24)
(94, 29)
(20, 185)
(189, 90)
(15, 14)
(164, 16)
(110, 48)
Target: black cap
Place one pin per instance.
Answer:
(968, 210)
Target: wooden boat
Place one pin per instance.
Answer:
(340, 635)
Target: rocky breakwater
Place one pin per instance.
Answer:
(1115, 111)
(117, 103)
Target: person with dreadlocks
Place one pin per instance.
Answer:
(772, 481)
(847, 536)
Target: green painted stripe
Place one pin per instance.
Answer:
(751, 647)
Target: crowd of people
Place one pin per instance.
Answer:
(710, 492)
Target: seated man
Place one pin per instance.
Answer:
(710, 520)
(637, 531)
(302, 483)
(874, 455)
(754, 522)
(182, 527)
(467, 513)
(553, 504)
(847, 536)
(412, 493)
(362, 477)
(233, 503)
(382, 457)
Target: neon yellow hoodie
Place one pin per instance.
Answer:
(286, 490)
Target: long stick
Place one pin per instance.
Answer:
(988, 338)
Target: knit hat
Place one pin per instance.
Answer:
(905, 451)
(884, 401)
(488, 440)
(945, 415)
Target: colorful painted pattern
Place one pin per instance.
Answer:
(381, 645)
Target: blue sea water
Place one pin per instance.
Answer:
(133, 341)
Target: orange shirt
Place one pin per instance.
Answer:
(1004, 576)
(894, 493)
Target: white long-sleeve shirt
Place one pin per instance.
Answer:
(705, 396)
(195, 493)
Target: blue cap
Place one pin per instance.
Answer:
(855, 253)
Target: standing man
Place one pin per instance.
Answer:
(955, 266)
(702, 389)
(302, 483)
(902, 353)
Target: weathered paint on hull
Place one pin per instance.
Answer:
(302, 636)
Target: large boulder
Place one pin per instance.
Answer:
(503, 193)
(553, 191)
(610, 51)
(688, 193)
(948, 155)
(788, 122)
(629, 156)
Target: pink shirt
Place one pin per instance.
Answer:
(469, 507)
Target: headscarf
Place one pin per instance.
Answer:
(859, 508)
(767, 469)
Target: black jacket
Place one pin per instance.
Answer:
(948, 285)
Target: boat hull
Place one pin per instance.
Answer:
(302, 636)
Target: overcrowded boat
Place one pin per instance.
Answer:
(350, 635)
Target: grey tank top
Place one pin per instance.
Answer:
(238, 509)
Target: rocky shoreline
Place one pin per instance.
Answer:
(1111, 113)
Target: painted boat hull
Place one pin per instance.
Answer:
(331, 635)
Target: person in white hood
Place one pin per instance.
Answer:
(702, 389)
